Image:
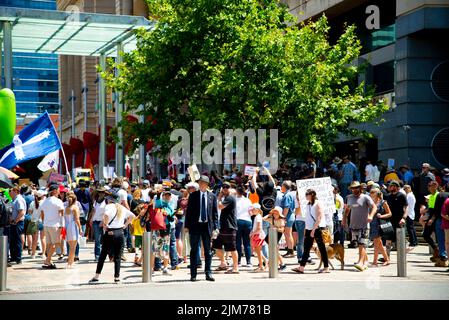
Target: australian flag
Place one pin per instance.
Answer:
(37, 139)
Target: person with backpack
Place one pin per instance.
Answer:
(115, 219)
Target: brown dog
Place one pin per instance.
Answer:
(334, 250)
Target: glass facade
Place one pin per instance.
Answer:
(35, 76)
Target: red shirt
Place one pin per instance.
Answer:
(445, 212)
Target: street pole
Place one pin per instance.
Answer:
(147, 268)
(119, 151)
(273, 252)
(3, 261)
(84, 90)
(72, 100)
(102, 115)
(401, 252)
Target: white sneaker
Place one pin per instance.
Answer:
(33, 257)
(249, 265)
(166, 272)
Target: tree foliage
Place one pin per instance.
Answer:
(244, 64)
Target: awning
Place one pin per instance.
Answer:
(65, 33)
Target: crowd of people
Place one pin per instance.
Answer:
(229, 216)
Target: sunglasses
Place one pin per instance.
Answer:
(226, 187)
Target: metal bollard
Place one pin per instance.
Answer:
(184, 243)
(401, 252)
(273, 252)
(3, 261)
(147, 268)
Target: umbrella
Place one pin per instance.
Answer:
(9, 173)
(5, 182)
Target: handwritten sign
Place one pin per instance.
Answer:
(56, 177)
(193, 172)
(250, 170)
(323, 188)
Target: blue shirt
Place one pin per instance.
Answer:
(407, 177)
(288, 202)
(17, 205)
(169, 221)
(350, 173)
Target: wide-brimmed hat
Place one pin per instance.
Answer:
(192, 185)
(102, 189)
(278, 209)
(355, 184)
(204, 178)
(445, 171)
(337, 160)
(41, 193)
(112, 196)
(370, 183)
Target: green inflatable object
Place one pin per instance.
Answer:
(7, 117)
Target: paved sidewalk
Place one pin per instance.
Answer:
(31, 278)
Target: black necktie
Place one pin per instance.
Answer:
(203, 208)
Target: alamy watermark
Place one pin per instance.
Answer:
(221, 148)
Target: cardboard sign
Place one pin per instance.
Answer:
(181, 177)
(266, 164)
(56, 177)
(193, 172)
(42, 183)
(323, 188)
(24, 181)
(250, 170)
(390, 163)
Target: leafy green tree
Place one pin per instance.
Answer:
(244, 64)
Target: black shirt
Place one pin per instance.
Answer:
(267, 197)
(396, 202)
(228, 216)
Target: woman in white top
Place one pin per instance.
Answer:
(36, 219)
(315, 223)
(244, 225)
(257, 236)
(116, 218)
(72, 226)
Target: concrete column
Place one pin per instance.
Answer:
(7, 45)
(119, 152)
(102, 112)
(142, 162)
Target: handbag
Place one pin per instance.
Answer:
(157, 220)
(386, 228)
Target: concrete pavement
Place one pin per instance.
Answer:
(424, 281)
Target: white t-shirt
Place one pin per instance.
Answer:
(369, 169)
(411, 201)
(311, 216)
(99, 211)
(123, 195)
(110, 210)
(258, 219)
(145, 195)
(342, 207)
(51, 207)
(242, 206)
(35, 213)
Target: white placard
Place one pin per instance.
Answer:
(193, 172)
(324, 192)
(250, 170)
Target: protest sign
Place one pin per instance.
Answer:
(323, 188)
(56, 177)
(250, 170)
(193, 172)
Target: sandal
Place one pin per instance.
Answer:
(221, 268)
(324, 271)
(386, 263)
(260, 269)
(359, 267)
(232, 272)
(297, 270)
(138, 264)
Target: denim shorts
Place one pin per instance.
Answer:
(290, 220)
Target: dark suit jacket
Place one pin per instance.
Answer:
(194, 208)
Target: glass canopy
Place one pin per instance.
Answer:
(71, 33)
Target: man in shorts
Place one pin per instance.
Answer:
(362, 209)
(228, 229)
(52, 210)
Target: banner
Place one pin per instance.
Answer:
(250, 170)
(50, 161)
(324, 192)
(37, 139)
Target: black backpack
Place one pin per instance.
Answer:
(4, 213)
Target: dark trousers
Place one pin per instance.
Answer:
(195, 238)
(15, 242)
(339, 232)
(112, 243)
(243, 231)
(428, 230)
(127, 240)
(308, 242)
(412, 238)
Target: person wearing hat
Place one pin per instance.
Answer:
(227, 237)
(348, 173)
(362, 209)
(397, 201)
(201, 220)
(52, 210)
(146, 191)
(425, 178)
(391, 175)
(96, 220)
(276, 219)
(257, 236)
(36, 222)
(336, 162)
(115, 219)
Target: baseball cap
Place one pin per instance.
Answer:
(53, 187)
(394, 183)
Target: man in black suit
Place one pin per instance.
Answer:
(201, 220)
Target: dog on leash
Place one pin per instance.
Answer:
(334, 250)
